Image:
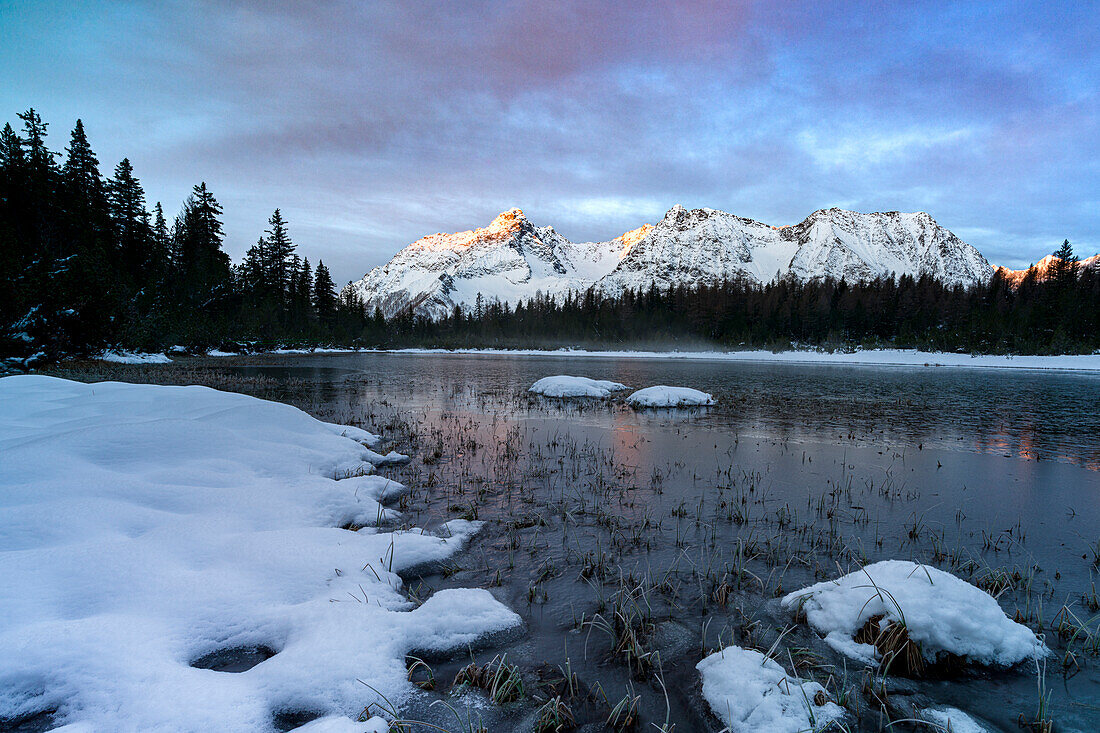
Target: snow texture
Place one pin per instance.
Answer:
(133, 357)
(512, 260)
(953, 720)
(942, 613)
(662, 396)
(143, 527)
(565, 386)
(753, 694)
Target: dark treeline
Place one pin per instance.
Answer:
(86, 264)
(1052, 314)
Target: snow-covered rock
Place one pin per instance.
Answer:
(662, 396)
(511, 260)
(145, 527)
(566, 386)
(940, 612)
(753, 694)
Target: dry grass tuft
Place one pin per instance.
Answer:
(900, 654)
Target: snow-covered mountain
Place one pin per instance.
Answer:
(512, 260)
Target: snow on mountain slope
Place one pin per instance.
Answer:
(512, 260)
(837, 243)
(1042, 268)
(701, 246)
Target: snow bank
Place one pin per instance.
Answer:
(565, 386)
(752, 694)
(143, 527)
(662, 396)
(133, 357)
(940, 612)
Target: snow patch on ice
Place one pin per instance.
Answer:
(143, 527)
(133, 357)
(341, 724)
(753, 694)
(954, 720)
(662, 396)
(942, 613)
(566, 386)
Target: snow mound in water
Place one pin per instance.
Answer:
(565, 386)
(662, 396)
(144, 527)
(940, 612)
(753, 694)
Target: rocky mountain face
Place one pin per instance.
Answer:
(513, 260)
(1042, 269)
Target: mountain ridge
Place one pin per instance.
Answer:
(513, 260)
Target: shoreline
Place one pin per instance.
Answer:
(877, 357)
(1085, 363)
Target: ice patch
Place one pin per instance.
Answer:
(340, 724)
(144, 528)
(940, 612)
(566, 386)
(753, 694)
(133, 357)
(954, 720)
(662, 396)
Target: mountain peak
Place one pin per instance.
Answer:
(507, 221)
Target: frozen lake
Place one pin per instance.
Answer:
(692, 523)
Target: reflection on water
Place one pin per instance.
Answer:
(1035, 415)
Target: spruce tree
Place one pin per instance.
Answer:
(126, 200)
(324, 295)
(281, 259)
(1064, 266)
(162, 242)
(91, 287)
(80, 172)
(203, 266)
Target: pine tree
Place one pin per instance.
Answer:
(11, 151)
(324, 295)
(280, 257)
(92, 287)
(81, 171)
(126, 202)
(203, 266)
(162, 242)
(1064, 266)
(253, 270)
(38, 157)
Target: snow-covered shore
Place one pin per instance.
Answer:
(869, 357)
(145, 527)
(875, 357)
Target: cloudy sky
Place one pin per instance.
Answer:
(371, 124)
